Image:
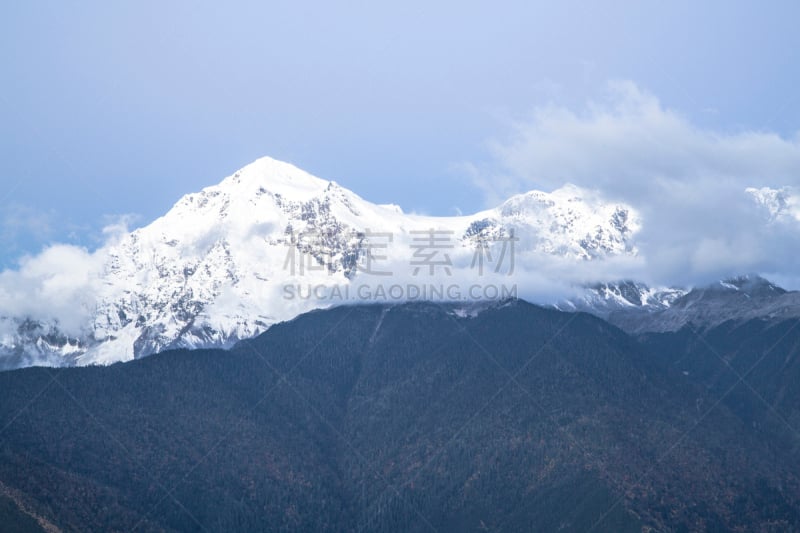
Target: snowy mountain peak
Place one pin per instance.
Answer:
(778, 204)
(603, 299)
(593, 227)
(750, 285)
(277, 177)
(215, 268)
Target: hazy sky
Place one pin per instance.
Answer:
(111, 108)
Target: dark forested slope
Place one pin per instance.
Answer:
(408, 418)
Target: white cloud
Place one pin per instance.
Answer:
(60, 283)
(57, 284)
(117, 226)
(688, 183)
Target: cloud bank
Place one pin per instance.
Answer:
(700, 221)
(60, 284)
(711, 204)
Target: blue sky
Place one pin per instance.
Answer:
(111, 108)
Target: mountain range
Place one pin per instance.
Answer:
(213, 270)
(272, 241)
(243, 364)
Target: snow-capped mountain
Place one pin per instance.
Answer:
(778, 204)
(637, 308)
(272, 241)
(736, 299)
(602, 299)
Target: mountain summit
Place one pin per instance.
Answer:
(214, 269)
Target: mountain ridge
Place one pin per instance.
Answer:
(212, 269)
(272, 241)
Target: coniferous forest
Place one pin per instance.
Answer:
(413, 417)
